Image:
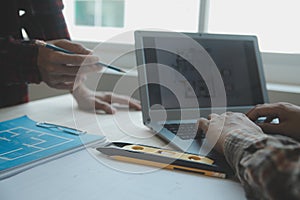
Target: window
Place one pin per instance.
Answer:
(101, 13)
(274, 22)
(99, 20)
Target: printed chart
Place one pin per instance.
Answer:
(20, 142)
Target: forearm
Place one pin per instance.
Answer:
(267, 166)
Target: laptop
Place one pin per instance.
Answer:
(185, 76)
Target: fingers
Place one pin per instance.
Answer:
(211, 116)
(203, 124)
(120, 99)
(60, 77)
(134, 104)
(89, 69)
(63, 79)
(71, 70)
(71, 46)
(87, 100)
(212, 120)
(106, 107)
(62, 70)
(269, 119)
(72, 59)
(104, 102)
(271, 128)
(265, 110)
(56, 66)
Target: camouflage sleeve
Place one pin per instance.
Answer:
(268, 166)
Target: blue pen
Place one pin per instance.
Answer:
(56, 48)
(65, 129)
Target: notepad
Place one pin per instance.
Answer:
(24, 145)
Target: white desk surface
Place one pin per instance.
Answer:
(89, 175)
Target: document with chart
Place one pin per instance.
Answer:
(25, 144)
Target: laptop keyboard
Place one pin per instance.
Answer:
(185, 131)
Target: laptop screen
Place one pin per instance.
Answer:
(237, 59)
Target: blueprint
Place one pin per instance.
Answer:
(22, 142)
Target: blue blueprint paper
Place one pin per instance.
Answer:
(22, 142)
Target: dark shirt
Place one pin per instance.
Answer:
(42, 19)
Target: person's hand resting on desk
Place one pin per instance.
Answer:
(88, 100)
(266, 165)
(59, 70)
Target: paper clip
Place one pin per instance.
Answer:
(65, 129)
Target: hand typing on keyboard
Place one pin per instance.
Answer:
(185, 131)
